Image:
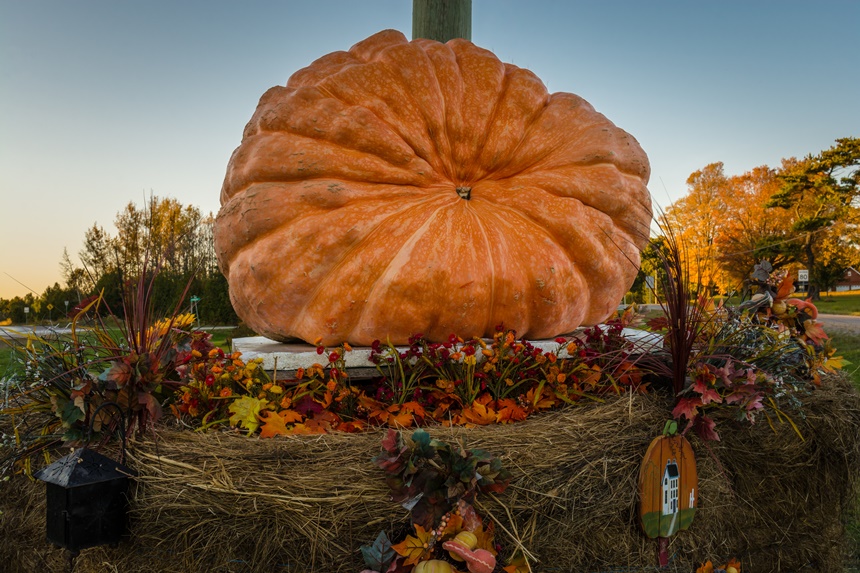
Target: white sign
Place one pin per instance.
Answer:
(26, 310)
(803, 276)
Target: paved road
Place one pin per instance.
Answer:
(17, 332)
(24, 331)
(841, 322)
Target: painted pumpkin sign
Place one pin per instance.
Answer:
(668, 487)
(403, 187)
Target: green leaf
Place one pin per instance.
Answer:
(70, 413)
(423, 444)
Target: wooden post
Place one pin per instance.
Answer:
(442, 20)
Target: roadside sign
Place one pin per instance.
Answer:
(26, 310)
(50, 306)
(803, 276)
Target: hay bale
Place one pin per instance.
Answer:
(224, 502)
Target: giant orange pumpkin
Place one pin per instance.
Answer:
(405, 187)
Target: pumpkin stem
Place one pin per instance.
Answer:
(464, 192)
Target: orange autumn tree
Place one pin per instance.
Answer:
(697, 219)
(749, 231)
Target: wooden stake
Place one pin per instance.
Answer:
(442, 20)
(663, 551)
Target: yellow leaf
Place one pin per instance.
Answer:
(246, 411)
(415, 549)
(835, 363)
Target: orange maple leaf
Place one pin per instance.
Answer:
(479, 414)
(414, 549)
(415, 409)
(302, 430)
(352, 427)
(814, 331)
(399, 417)
(509, 411)
(274, 425)
(324, 422)
(538, 400)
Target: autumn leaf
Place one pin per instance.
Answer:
(150, 403)
(414, 549)
(246, 412)
(276, 423)
(302, 430)
(835, 363)
(398, 417)
(705, 428)
(323, 423)
(119, 373)
(707, 567)
(509, 411)
(416, 409)
(814, 331)
(325, 402)
(687, 407)
(452, 528)
(518, 564)
(485, 538)
(352, 427)
(786, 287)
(479, 414)
(536, 398)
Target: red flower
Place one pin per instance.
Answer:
(210, 380)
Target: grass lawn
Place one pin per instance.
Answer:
(830, 303)
(848, 346)
(5, 360)
(840, 303)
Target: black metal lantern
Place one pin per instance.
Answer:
(87, 499)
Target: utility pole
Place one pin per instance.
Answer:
(442, 20)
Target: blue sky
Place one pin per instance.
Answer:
(105, 101)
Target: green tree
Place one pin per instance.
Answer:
(819, 191)
(176, 241)
(97, 255)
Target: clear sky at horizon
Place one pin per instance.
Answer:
(103, 101)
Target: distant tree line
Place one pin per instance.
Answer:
(170, 242)
(803, 214)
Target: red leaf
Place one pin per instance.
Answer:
(704, 428)
(687, 407)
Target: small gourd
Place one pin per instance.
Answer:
(465, 539)
(433, 566)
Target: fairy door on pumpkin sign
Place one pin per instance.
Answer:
(668, 487)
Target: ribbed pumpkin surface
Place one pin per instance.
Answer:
(405, 187)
